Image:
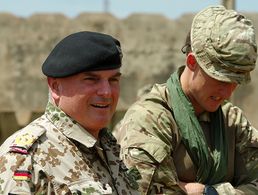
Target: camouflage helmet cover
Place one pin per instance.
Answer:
(224, 45)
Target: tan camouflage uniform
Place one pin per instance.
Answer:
(151, 142)
(55, 155)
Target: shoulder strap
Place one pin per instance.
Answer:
(26, 138)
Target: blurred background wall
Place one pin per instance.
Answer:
(151, 44)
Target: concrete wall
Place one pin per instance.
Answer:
(151, 45)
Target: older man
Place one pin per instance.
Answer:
(68, 150)
(184, 136)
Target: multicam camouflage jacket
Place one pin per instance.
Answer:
(55, 155)
(150, 140)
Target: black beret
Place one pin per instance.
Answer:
(83, 51)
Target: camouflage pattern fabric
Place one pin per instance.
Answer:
(224, 44)
(55, 155)
(151, 142)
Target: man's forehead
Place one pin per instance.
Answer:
(113, 72)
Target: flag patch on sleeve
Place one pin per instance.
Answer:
(21, 175)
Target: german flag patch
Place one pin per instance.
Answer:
(21, 175)
(17, 149)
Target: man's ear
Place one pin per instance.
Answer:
(54, 86)
(191, 61)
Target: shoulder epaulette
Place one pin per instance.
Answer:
(26, 138)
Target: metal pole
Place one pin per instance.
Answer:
(106, 6)
(229, 4)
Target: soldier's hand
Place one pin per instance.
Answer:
(192, 188)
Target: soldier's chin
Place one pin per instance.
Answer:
(213, 109)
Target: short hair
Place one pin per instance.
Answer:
(186, 49)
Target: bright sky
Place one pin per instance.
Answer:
(119, 8)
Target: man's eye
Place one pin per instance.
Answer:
(90, 78)
(114, 79)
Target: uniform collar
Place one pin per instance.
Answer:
(69, 127)
(204, 117)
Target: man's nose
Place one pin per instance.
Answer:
(104, 89)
